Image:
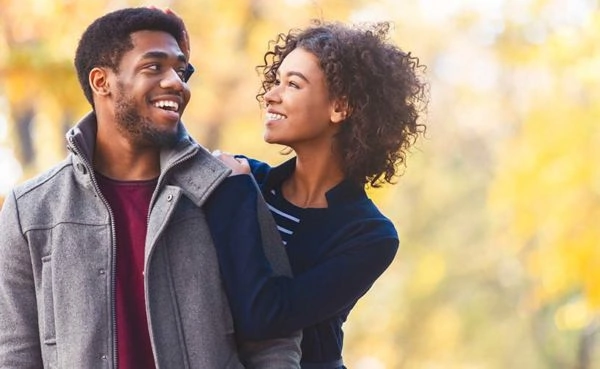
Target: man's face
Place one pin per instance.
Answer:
(150, 94)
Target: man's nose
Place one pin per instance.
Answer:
(172, 80)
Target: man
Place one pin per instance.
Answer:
(107, 260)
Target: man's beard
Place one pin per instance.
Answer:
(140, 130)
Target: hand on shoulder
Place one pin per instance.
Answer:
(237, 165)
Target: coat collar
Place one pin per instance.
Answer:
(81, 140)
(199, 177)
(341, 193)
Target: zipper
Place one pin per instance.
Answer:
(159, 183)
(113, 261)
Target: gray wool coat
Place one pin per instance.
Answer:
(57, 268)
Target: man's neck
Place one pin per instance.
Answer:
(117, 158)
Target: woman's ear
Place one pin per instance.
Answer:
(98, 80)
(341, 110)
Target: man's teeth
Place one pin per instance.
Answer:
(167, 104)
(274, 116)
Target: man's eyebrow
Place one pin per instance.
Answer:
(163, 55)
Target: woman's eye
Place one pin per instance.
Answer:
(293, 84)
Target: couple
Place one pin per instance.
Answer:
(142, 250)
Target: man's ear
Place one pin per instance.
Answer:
(98, 80)
(341, 110)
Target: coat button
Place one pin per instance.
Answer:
(101, 271)
(103, 357)
(169, 198)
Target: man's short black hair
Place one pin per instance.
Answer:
(109, 37)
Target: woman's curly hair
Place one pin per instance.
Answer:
(382, 85)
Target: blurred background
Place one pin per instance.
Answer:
(498, 208)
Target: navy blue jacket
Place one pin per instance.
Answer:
(336, 254)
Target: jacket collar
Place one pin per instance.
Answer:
(198, 177)
(343, 192)
(81, 140)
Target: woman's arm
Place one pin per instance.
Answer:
(266, 305)
(232, 218)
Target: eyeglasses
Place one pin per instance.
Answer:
(189, 70)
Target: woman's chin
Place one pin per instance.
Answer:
(269, 139)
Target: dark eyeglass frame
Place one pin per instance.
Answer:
(189, 70)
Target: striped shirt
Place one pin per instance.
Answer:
(286, 215)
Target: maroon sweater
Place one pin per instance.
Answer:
(130, 201)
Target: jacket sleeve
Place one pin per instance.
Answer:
(269, 305)
(324, 290)
(233, 215)
(19, 337)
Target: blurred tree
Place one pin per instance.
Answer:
(546, 194)
(38, 79)
(499, 201)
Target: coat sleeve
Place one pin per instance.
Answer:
(19, 337)
(268, 304)
(233, 214)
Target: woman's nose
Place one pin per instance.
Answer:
(272, 96)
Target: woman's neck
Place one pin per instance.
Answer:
(313, 176)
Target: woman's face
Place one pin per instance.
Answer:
(299, 111)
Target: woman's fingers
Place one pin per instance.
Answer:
(237, 165)
(184, 44)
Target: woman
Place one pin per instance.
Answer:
(347, 102)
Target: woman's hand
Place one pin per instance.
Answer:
(237, 165)
(184, 45)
